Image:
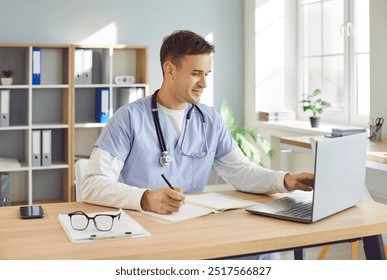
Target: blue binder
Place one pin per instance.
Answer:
(102, 105)
(36, 65)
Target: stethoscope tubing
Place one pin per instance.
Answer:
(159, 132)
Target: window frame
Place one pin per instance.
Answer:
(348, 115)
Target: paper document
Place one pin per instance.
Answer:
(125, 227)
(200, 205)
(6, 163)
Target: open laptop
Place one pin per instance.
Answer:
(340, 165)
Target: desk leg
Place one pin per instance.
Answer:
(374, 247)
(298, 254)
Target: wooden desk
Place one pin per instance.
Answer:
(226, 234)
(376, 152)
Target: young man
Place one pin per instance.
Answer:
(171, 133)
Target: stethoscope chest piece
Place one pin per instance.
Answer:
(165, 159)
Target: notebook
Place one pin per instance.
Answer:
(198, 205)
(340, 165)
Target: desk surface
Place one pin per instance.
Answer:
(233, 232)
(377, 151)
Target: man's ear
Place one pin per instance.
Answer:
(169, 69)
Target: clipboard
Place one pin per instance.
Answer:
(125, 227)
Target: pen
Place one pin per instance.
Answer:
(169, 184)
(166, 181)
(110, 236)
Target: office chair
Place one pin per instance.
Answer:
(80, 167)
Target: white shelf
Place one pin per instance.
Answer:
(89, 125)
(49, 126)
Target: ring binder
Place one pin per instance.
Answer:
(102, 105)
(36, 148)
(46, 147)
(4, 107)
(83, 65)
(36, 65)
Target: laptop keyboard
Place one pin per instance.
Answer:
(299, 210)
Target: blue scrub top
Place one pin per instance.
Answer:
(130, 135)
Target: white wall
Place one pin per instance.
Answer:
(378, 49)
(136, 22)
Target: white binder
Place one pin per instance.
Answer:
(87, 66)
(46, 147)
(4, 107)
(36, 148)
(78, 67)
(83, 66)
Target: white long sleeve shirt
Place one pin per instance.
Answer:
(100, 184)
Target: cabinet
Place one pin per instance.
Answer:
(36, 107)
(64, 102)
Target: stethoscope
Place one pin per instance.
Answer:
(165, 158)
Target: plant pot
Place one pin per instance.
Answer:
(314, 122)
(6, 81)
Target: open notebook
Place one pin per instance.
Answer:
(200, 205)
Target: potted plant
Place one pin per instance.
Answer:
(242, 134)
(7, 77)
(314, 103)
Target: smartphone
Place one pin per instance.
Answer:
(31, 212)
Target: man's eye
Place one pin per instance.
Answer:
(195, 74)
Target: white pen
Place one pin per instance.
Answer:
(110, 235)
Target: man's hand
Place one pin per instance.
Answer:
(302, 181)
(162, 201)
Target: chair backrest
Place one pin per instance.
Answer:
(80, 167)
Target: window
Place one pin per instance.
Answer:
(335, 57)
(296, 46)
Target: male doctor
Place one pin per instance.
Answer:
(171, 133)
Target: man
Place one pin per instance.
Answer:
(171, 133)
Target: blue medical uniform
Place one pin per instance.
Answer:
(130, 136)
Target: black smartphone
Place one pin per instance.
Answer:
(31, 212)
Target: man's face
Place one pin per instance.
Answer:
(189, 80)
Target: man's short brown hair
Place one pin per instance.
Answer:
(181, 43)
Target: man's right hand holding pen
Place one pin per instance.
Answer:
(165, 200)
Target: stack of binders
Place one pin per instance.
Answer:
(41, 147)
(339, 132)
(83, 60)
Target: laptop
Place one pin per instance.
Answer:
(340, 165)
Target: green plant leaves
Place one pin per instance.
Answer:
(245, 137)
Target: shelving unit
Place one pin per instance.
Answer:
(107, 63)
(65, 105)
(37, 107)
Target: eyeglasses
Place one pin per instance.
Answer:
(103, 222)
